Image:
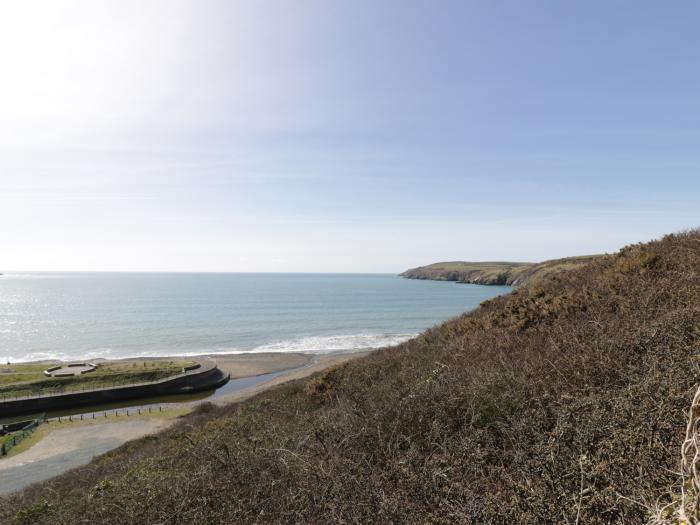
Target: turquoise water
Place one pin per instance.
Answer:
(89, 315)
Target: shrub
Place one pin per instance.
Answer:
(563, 402)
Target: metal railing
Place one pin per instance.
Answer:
(103, 414)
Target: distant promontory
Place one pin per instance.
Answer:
(495, 273)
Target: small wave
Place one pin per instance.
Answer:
(28, 358)
(312, 344)
(101, 353)
(334, 343)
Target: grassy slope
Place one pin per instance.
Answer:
(562, 398)
(495, 272)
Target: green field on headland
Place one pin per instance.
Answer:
(26, 379)
(496, 273)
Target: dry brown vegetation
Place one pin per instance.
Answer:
(564, 402)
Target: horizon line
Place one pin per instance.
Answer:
(10, 272)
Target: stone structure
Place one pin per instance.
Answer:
(73, 369)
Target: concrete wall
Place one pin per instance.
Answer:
(205, 379)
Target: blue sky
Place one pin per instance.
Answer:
(342, 136)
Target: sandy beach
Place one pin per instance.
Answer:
(247, 365)
(268, 362)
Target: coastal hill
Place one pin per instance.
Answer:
(565, 401)
(495, 273)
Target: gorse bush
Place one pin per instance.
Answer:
(562, 402)
(322, 385)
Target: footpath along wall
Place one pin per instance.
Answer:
(205, 377)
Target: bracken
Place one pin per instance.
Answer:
(563, 402)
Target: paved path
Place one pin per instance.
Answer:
(68, 448)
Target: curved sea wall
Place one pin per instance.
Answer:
(206, 377)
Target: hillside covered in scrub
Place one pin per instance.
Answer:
(498, 273)
(562, 402)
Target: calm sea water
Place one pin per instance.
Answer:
(89, 315)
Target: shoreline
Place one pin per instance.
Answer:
(238, 364)
(394, 339)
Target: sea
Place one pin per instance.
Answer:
(76, 316)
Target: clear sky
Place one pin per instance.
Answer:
(338, 135)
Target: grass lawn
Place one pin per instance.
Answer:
(20, 373)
